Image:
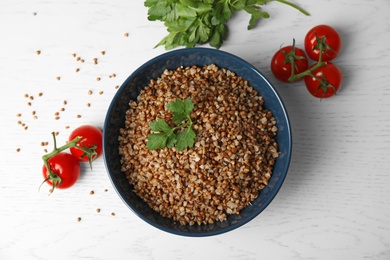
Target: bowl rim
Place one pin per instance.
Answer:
(280, 181)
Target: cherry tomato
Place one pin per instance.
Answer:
(326, 81)
(66, 166)
(91, 137)
(281, 62)
(326, 36)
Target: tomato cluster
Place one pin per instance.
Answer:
(61, 169)
(323, 78)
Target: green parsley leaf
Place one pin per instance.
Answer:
(192, 22)
(185, 139)
(171, 140)
(222, 13)
(198, 6)
(159, 125)
(218, 36)
(158, 10)
(181, 110)
(185, 11)
(158, 140)
(165, 135)
(256, 15)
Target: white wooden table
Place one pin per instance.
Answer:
(334, 204)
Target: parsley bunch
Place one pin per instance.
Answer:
(191, 22)
(181, 135)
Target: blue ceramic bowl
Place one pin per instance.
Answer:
(152, 69)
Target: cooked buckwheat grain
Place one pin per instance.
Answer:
(233, 155)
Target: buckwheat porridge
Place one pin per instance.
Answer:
(233, 154)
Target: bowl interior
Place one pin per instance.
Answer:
(152, 69)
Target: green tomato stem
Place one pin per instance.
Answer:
(57, 150)
(309, 71)
(90, 152)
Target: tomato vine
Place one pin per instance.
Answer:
(322, 79)
(53, 177)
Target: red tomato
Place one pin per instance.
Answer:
(91, 137)
(326, 36)
(281, 63)
(326, 81)
(66, 166)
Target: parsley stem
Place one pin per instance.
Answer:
(294, 6)
(187, 124)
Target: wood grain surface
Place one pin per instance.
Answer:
(334, 204)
